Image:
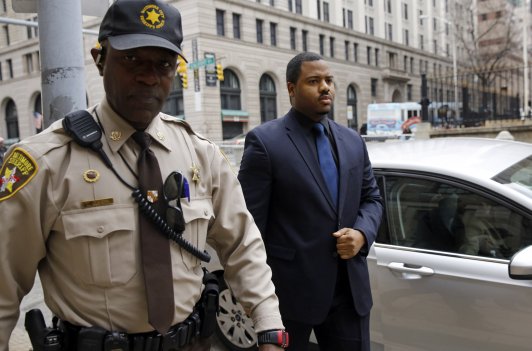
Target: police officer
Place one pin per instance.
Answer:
(69, 214)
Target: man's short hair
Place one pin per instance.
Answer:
(293, 69)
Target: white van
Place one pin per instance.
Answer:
(391, 119)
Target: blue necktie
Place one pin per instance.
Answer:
(327, 164)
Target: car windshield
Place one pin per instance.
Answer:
(518, 176)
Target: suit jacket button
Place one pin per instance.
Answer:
(335, 254)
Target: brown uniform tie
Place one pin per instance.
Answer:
(155, 247)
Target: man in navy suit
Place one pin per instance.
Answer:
(317, 232)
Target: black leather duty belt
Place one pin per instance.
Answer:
(94, 338)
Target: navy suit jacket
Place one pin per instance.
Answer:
(289, 200)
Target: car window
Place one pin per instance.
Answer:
(434, 215)
(518, 176)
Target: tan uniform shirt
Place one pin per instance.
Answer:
(65, 214)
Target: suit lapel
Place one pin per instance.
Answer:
(296, 135)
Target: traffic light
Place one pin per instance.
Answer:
(182, 71)
(184, 80)
(219, 71)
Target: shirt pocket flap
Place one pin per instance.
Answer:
(99, 222)
(197, 209)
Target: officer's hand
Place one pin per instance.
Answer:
(270, 347)
(349, 242)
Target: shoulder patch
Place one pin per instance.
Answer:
(17, 171)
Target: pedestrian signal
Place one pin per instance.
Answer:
(219, 71)
(182, 71)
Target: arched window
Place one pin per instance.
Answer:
(396, 96)
(174, 104)
(37, 106)
(231, 105)
(12, 120)
(268, 99)
(352, 113)
(230, 91)
(38, 121)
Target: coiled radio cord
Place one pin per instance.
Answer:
(147, 209)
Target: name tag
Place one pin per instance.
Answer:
(97, 203)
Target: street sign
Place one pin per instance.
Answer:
(201, 63)
(88, 7)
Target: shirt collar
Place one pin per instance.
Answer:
(117, 130)
(307, 123)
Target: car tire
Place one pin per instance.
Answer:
(233, 327)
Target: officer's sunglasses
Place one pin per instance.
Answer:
(174, 189)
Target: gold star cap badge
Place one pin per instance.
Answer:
(152, 16)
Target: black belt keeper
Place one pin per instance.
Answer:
(98, 339)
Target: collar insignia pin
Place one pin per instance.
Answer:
(116, 135)
(160, 135)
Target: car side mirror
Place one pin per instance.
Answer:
(520, 266)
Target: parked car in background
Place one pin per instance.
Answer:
(452, 265)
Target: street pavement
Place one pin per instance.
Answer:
(19, 338)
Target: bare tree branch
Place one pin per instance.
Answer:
(488, 38)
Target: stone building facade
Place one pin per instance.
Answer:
(377, 50)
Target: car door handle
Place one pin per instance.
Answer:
(410, 271)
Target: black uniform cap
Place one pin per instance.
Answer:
(130, 24)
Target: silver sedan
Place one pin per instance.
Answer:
(452, 265)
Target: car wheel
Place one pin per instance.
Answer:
(234, 328)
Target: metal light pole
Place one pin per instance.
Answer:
(62, 59)
(455, 80)
(61, 50)
(455, 63)
(526, 15)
